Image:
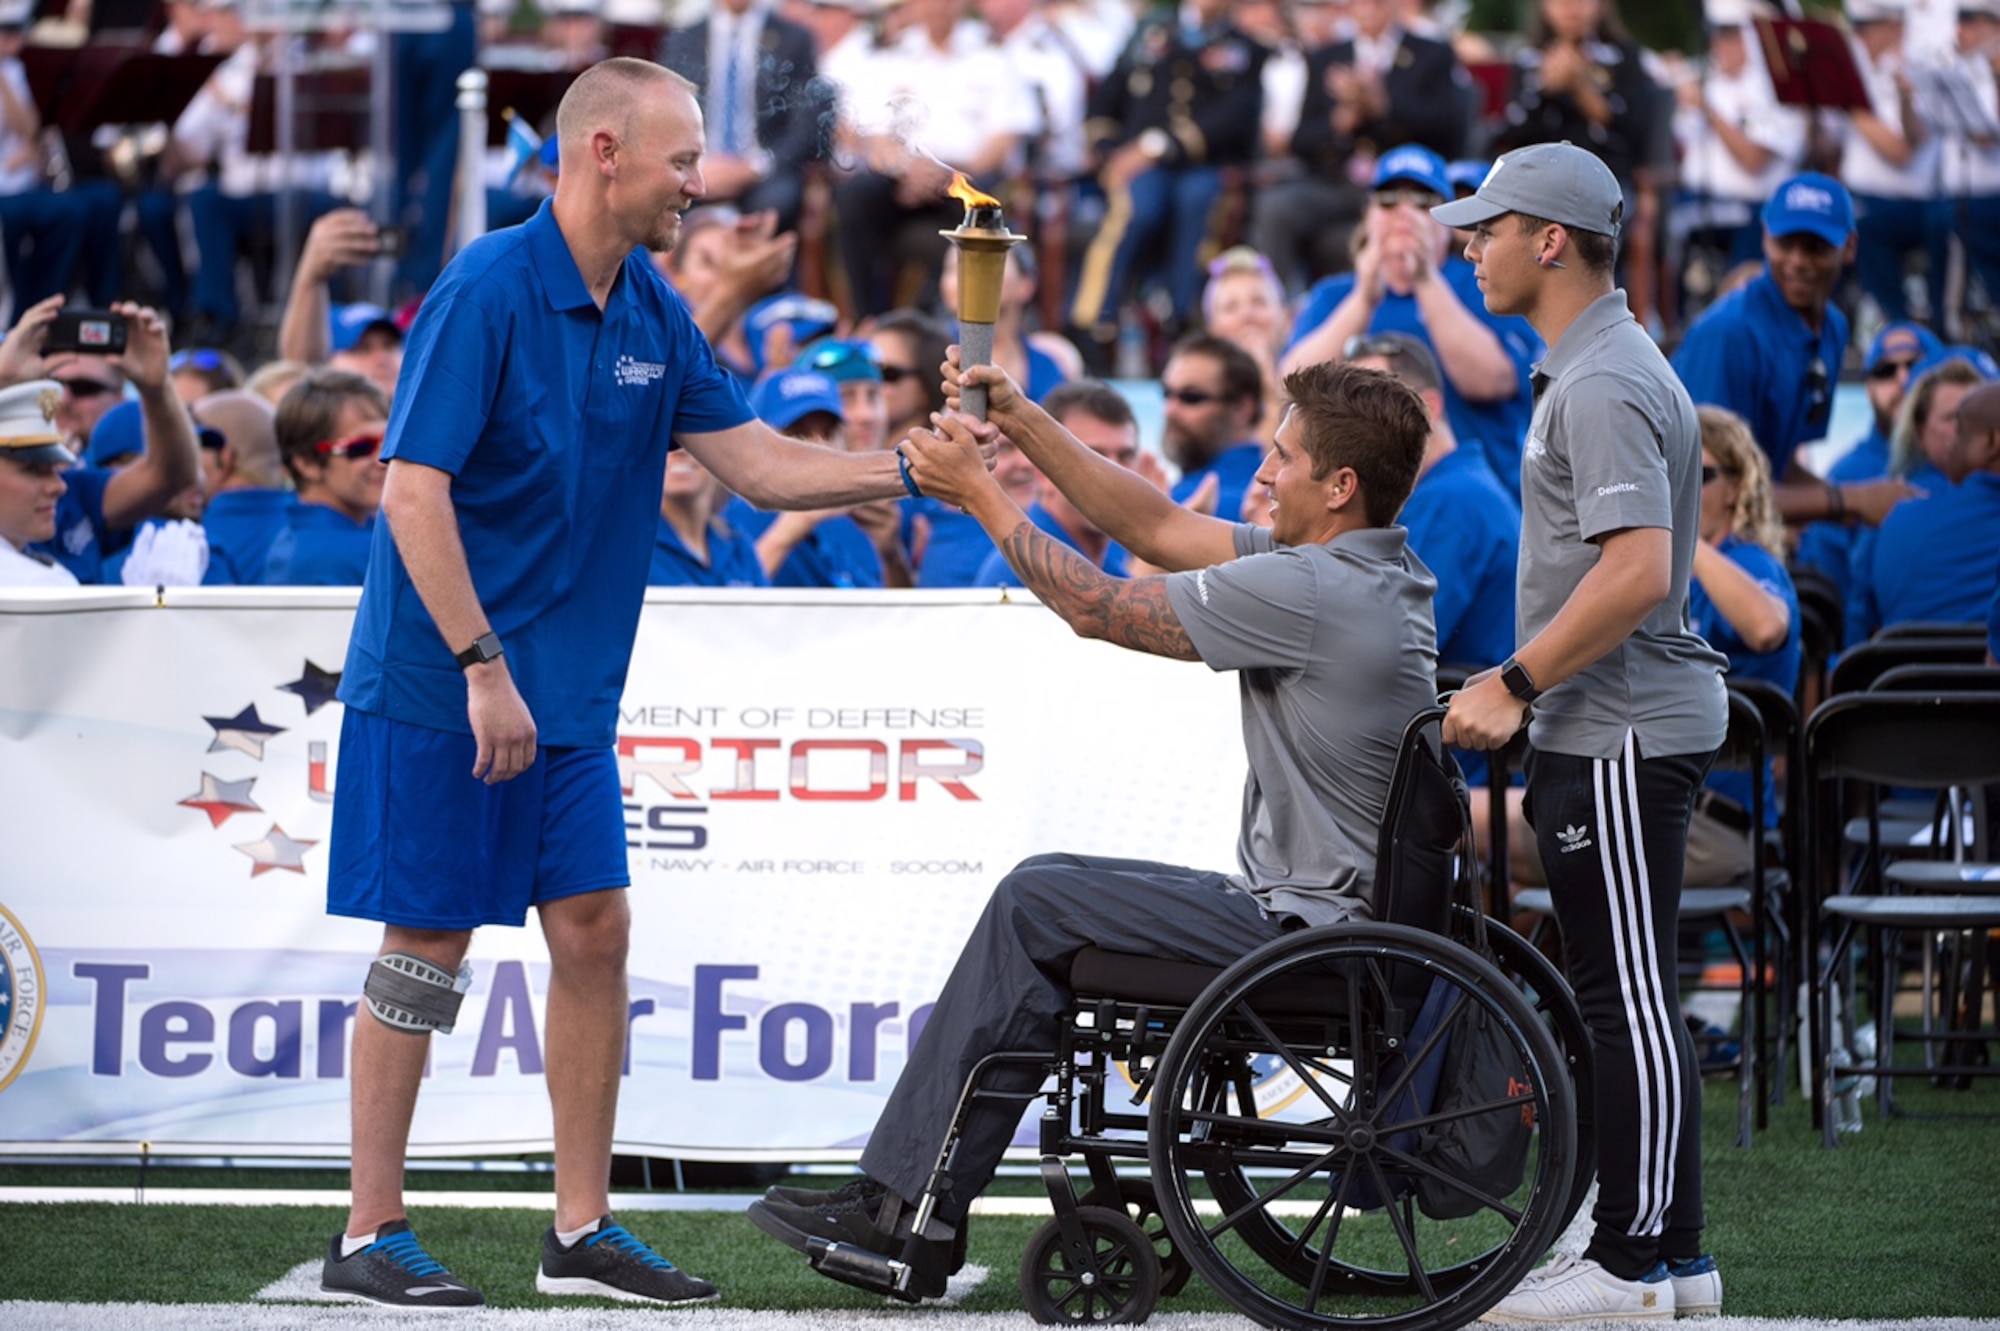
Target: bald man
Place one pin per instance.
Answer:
(246, 484)
(548, 374)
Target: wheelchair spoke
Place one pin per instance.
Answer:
(1283, 1050)
(1339, 1203)
(1261, 1200)
(1399, 1222)
(1414, 1165)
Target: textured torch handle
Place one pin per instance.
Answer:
(975, 347)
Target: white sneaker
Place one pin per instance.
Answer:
(1697, 1287)
(1571, 1289)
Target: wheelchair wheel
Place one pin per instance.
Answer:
(1116, 1281)
(1139, 1201)
(1292, 1136)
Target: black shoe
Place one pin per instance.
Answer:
(878, 1225)
(395, 1270)
(862, 1189)
(611, 1262)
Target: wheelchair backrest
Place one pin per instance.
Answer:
(1418, 860)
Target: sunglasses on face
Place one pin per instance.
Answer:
(1191, 397)
(1416, 198)
(207, 436)
(895, 374)
(1710, 474)
(1889, 369)
(205, 359)
(354, 446)
(85, 388)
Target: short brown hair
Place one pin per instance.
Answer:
(1363, 419)
(309, 408)
(1090, 397)
(1595, 251)
(1242, 379)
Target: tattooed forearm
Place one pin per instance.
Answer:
(1132, 613)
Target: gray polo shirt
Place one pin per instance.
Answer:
(1336, 651)
(1614, 444)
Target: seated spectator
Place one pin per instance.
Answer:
(1462, 523)
(1932, 556)
(947, 546)
(200, 371)
(32, 459)
(1244, 303)
(855, 367)
(859, 546)
(1214, 394)
(100, 508)
(329, 428)
(1327, 616)
(247, 496)
(273, 379)
(170, 548)
(1037, 360)
(1771, 351)
(1408, 279)
(42, 230)
(1098, 417)
(1828, 547)
(1581, 79)
(724, 264)
(1742, 602)
(1366, 93)
(697, 545)
(359, 337)
(1971, 163)
(1889, 158)
(367, 342)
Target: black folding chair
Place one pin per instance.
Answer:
(1866, 662)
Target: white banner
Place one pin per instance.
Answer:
(821, 789)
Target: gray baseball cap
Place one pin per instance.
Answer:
(1556, 181)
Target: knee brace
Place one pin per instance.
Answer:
(410, 994)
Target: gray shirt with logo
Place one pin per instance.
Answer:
(1336, 651)
(1615, 444)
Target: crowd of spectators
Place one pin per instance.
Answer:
(235, 438)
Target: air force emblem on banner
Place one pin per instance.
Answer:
(21, 998)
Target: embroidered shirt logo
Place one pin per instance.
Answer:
(639, 372)
(1622, 488)
(1201, 585)
(1536, 448)
(1574, 838)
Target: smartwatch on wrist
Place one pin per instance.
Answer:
(486, 647)
(1519, 683)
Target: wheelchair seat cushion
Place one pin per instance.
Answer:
(1131, 978)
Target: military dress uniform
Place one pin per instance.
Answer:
(1191, 99)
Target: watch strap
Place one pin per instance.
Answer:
(486, 647)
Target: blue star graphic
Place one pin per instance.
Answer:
(244, 732)
(315, 687)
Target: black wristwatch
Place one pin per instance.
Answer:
(486, 647)
(1519, 683)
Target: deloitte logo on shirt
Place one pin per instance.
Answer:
(630, 372)
(20, 997)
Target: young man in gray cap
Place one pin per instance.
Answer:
(1628, 712)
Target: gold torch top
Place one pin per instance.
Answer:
(984, 226)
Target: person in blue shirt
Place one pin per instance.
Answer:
(100, 507)
(1407, 278)
(1214, 395)
(860, 546)
(330, 428)
(247, 495)
(697, 545)
(1827, 547)
(1463, 524)
(947, 547)
(856, 367)
(1742, 602)
(546, 377)
(1933, 557)
(1771, 350)
(1099, 417)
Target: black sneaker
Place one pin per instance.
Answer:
(862, 1189)
(879, 1223)
(611, 1262)
(395, 1270)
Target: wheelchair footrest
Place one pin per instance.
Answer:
(857, 1266)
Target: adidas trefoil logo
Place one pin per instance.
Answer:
(1574, 838)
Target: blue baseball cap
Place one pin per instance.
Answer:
(785, 397)
(809, 319)
(120, 433)
(1902, 339)
(1982, 364)
(1466, 173)
(1413, 164)
(845, 360)
(1814, 204)
(348, 324)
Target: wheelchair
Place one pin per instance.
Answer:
(1312, 1146)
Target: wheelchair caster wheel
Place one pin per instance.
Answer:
(1117, 1280)
(1136, 1198)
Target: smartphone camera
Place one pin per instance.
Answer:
(92, 332)
(392, 242)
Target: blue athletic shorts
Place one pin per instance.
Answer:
(418, 842)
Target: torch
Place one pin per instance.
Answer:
(982, 241)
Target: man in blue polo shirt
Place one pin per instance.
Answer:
(545, 379)
(1771, 350)
(1408, 278)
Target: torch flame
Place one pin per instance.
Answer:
(968, 194)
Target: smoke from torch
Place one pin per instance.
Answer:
(982, 241)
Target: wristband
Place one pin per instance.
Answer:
(909, 481)
(1836, 502)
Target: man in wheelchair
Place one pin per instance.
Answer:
(1327, 619)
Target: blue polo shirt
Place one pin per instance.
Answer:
(955, 548)
(1753, 354)
(997, 572)
(241, 525)
(319, 547)
(1931, 559)
(1993, 620)
(1828, 547)
(82, 540)
(837, 553)
(1234, 469)
(1780, 666)
(732, 559)
(1501, 426)
(554, 420)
